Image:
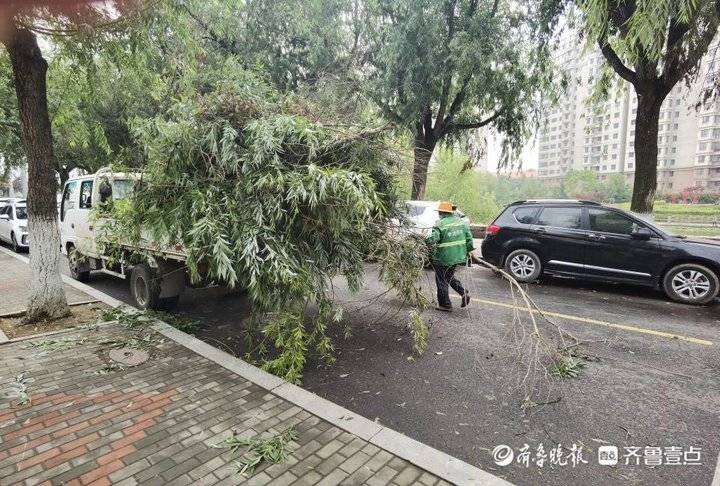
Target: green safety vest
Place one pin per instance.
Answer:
(451, 240)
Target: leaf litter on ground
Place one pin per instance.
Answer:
(259, 450)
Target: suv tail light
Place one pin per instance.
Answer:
(493, 229)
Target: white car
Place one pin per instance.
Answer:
(423, 215)
(13, 223)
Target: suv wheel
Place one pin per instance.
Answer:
(691, 283)
(523, 265)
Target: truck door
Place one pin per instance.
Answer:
(68, 206)
(83, 224)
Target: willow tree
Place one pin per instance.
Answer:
(264, 197)
(653, 45)
(441, 67)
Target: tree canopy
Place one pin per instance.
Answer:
(442, 67)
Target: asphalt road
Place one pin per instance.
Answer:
(652, 378)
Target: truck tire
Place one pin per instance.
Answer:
(145, 287)
(78, 269)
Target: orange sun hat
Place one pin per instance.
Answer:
(445, 207)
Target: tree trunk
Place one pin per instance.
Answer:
(423, 149)
(646, 152)
(47, 297)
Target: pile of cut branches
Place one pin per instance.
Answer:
(274, 202)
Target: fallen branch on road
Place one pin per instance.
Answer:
(542, 348)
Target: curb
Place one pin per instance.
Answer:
(421, 455)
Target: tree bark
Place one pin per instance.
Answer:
(47, 296)
(423, 148)
(646, 151)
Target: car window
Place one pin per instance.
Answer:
(610, 222)
(86, 194)
(525, 215)
(21, 212)
(561, 217)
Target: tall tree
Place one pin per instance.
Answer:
(653, 46)
(21, 22)
(47, 297)
(441, 67)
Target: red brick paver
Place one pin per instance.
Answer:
(158, 423)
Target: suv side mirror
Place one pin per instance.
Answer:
(642, 234)
(5, 217)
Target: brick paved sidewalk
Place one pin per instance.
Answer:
(156, 423)
(14, 281)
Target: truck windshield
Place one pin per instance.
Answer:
(415, 209)
(122, 188)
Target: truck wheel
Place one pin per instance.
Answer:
(76, 266)
(15, 246)
(145, 287)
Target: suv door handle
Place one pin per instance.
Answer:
(540, 230)
(592, 236)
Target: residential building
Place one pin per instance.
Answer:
(576, 135)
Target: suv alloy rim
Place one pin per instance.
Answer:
(691, 284)
(522, 265)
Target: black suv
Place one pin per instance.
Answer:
(587, 240)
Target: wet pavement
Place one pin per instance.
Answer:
(651, 386)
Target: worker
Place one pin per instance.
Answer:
(452, 242)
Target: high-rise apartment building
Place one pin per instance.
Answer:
(576, 135)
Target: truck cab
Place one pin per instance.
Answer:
(156, 273)
(78, 224)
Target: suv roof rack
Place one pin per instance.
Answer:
(577, 201)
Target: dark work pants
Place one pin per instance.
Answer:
(445, 276)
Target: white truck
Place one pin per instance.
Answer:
(156, 281)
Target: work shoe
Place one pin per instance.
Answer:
(465, 299)
(443, 308)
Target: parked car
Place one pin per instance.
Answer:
(589, 241)
(423, 215)
(13, 223)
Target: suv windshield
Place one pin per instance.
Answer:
(20, 212)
